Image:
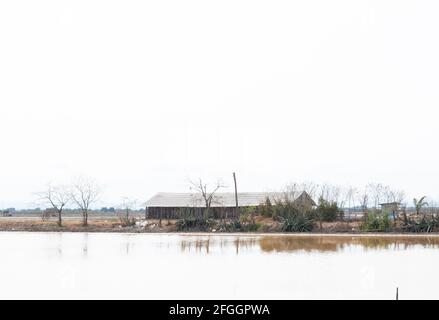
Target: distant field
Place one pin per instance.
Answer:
(67, 216)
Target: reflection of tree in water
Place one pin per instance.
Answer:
(244, 243)
(279, 243)
(334, 243)
(85, 244)
(205, 245)
(59, 242)
(198, 245)
(128, 245)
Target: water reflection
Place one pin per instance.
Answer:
(129, 244)
(205, 244)
(85, 244)
(78, 265)
(244, 243)
(338, 243)
(197, 245)
(295, 243)
(59, 245)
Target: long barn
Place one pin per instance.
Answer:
(178, 205)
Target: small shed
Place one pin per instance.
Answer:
(390, 208)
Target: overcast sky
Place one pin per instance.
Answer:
(145, 95)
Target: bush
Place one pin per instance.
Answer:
(292, 218)
(375, 222)
(284, 209)
(297, 222)
(267, 208)
(249, 210)
(248, 223)
(194, 224)
(245, 218)
(244, 224)
(426, 224)
(328, 211)
(250, 227)
(230, 226)
(127, 221)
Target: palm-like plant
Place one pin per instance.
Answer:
(419, 204)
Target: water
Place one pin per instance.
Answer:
(171, 266)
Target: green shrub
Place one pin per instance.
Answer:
(247, 222)
(229, 226)
(244, 217)
(283, 209)
(297, 222)
(250, 227)
(194, 224)
(266, 209)
(249, 210)
(234, 225)
(239, 225)
(328, 211)
(375, 222)
(292, 217)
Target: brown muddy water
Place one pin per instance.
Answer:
(179, 266)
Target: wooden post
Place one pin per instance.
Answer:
(236, 193)
(397, 293)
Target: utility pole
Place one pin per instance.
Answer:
(236, 192)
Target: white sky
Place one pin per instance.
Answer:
(144, 95)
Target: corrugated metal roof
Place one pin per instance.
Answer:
(164, 199)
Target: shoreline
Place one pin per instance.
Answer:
(114, 226)
(241, 234)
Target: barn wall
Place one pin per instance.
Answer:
(179, 213)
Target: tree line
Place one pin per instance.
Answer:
(84, 193)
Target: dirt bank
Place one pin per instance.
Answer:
(152, 226)
(113, 224)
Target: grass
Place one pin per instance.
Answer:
(52, 225)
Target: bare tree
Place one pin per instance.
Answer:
(291, 192)
(207, 194)
(376, 190)
(363, 199)
(351, 192)
(399, 196)
(388, 194)
(57, 197)
(309, 187)
(326, 192)
(339, 196)
(333, 193)
(84, 193)
(127, 205)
